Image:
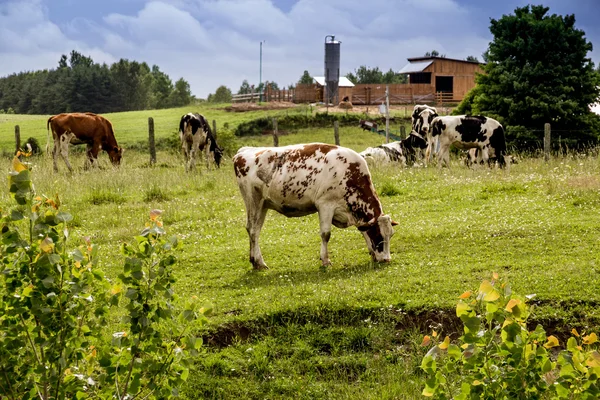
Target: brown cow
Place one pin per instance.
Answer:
(79, 128)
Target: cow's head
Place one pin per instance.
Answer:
(115, 155)
(423, 121)
(378, 233)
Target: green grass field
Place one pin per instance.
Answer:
(352, 330)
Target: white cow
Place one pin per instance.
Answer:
(302, 179)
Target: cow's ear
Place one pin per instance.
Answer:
(394, 223)
(365, 227)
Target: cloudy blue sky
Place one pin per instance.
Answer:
(215, 42)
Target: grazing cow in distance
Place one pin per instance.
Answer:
(83, 128)
(468, 132)
(367, 125)
(302, 179)
(196, 136)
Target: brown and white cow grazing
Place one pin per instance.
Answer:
(302, 179)
(196, 136)
(468, 132)
(83, 128)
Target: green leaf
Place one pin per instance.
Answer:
(16, 215)
(48, 281)
(63, 217)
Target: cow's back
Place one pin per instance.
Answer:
(87, 127)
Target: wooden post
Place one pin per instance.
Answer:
(215, 129)
(336, 132)
(546, 141)
(275, 137)
(387, 113)
(151, 143)
(17, 138)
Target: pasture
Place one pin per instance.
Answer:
(353, 329)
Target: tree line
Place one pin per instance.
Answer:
(80, 84)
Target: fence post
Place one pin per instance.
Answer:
(336, 132)
(151, 143)
(215, 129)
(17, 138)
(275, 137)
(547, 134)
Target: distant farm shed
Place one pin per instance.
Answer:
(448, 78)
(344, 86)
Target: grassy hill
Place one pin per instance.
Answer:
(352, 330)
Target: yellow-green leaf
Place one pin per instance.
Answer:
(590, 339)
(18, 165)
(444, 345)
(512, 304)
(47, 245)
(552, 342)
(593, 360)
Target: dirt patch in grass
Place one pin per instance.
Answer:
(584, 182)
(273, 105)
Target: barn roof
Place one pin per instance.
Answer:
(412, 67)
(343, 82)
(418, 64)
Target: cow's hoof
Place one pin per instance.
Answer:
(260, 267)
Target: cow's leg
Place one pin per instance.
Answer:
(207, 155)
(186, 155)
(255, 213)
(92, 154)
(325, 218)
(65, 139)
(55, 153)
(444, 155)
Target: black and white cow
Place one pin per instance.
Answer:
(404, 151)
(302, 179)
(196, 136)
(421, 123)
(389, 152)
(467, 132)
(417, 110)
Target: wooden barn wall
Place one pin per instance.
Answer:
(463, 73)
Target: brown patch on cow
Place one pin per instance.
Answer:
(367, 205)
(239, 165)
(374, 234)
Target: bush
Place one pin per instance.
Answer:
(55, 306)
(498, 357)
(263, 125)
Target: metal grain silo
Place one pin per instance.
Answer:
(332, 69)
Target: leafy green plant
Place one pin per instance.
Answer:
(53, 304)
(56, 302)
(497, 357)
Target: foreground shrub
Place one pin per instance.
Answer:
(55, 306)
(497, 357)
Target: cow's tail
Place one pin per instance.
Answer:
(48, 136)
(498, 142)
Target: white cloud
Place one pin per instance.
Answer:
(215, 42)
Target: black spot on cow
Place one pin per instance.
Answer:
(498, 142)
(470, 129)
(392, 154)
